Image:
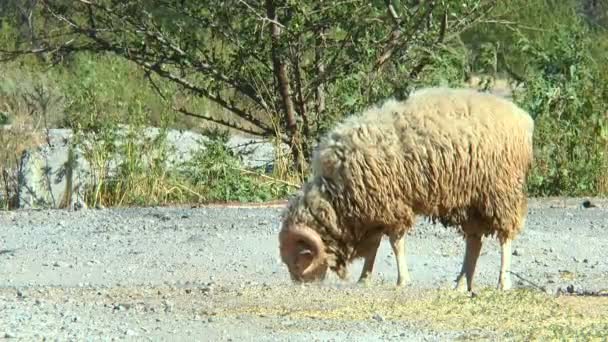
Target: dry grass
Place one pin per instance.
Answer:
(21, 135)
(520, 314)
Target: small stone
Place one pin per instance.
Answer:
(9, 334)
(587, 204)
(168, 306)
(517, 252)
(122, 307)
(58, 264)
(570, 289)
(378, 318)
(130, 332)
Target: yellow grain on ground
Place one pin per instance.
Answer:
(520, 314)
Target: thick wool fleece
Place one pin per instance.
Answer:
(455, 155)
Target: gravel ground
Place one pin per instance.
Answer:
(207, 273)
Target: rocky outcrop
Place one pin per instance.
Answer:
(55, 174)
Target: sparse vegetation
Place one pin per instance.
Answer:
(522, 314)
(556, 62)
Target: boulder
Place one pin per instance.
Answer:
(55, 174)
(49, 178)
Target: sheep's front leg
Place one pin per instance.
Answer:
(370, 258)
(504, 280)
(473, 248)
(398, 245)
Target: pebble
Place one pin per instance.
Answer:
(122, 307)
(378, 317)
(168, 306)
(571, 289)
(130, 332)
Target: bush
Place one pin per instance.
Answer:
(131, 167)
(221, 177)
(565, 92)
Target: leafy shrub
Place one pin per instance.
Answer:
(565, 92)
(218, 173)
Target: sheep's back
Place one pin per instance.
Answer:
(440, 150)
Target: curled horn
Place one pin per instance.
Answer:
(298, 241)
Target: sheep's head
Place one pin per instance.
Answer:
(302, 250)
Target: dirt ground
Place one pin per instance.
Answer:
(214, 274)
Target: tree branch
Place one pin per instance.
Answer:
(393, 37)
(280, 70)
(156, 67)
(233, 125)
(269, 18)
(416, 70)
(203, 92)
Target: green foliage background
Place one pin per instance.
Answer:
(553, 52)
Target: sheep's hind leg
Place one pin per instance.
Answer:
(473, 248)
(504, 280)
(398, 245)
(370, 258)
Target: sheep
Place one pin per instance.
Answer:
(454, 155)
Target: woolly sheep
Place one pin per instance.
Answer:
(457, 156)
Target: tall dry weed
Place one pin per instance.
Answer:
(15, 138)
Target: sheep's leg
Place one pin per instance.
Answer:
(473, 248)
(398, 245)
(370, 258)
(504, 280)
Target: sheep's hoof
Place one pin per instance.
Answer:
(364, 281)
(402, 282)
(403, 278)
(461, 286)
(504, 285)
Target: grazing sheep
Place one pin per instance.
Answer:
(456, 156)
